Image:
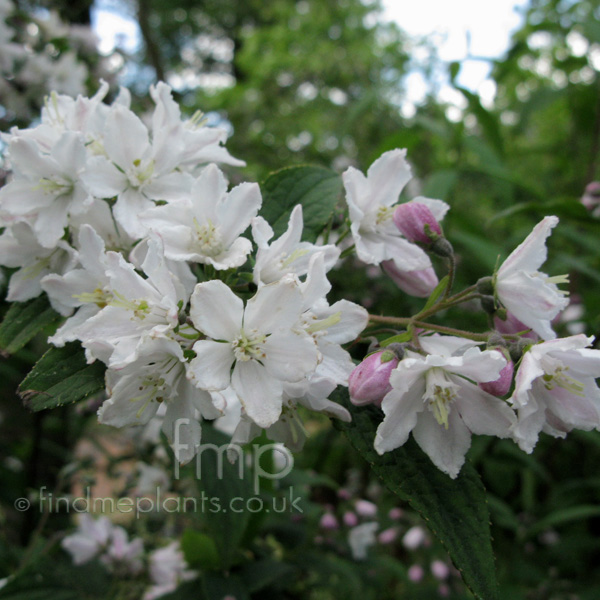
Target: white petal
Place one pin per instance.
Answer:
(483, 413)
(290, 356)
(211, 368)
(259, 393)
(216, 310)
(274, 306)
(401, 413)
(445, 447)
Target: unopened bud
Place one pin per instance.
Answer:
(370, 381)
(485, 286)
(488, 303)
(501, 386)
(511, 325)
(591, 198)
(416, 222)
(442, 247)
(418, 283)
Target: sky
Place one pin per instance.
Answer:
(460, 29)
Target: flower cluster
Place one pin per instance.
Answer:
(444, 388)
(38, 53)
(100, 539)
(132, 232)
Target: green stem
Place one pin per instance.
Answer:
(347, 251)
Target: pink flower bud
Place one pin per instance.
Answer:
(414, 538)
(416, 222)
(440, 570)
(396, 514)
(415, 573)
(328, 521)
(387, 536)
(591, 198)
(501, 386)
(418, 283)
(365, 508)
(350, 519)
(512, 325)
(370, 381)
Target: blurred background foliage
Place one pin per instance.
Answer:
(322, 82)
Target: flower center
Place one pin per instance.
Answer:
(555, 375)
(384, 214)
(141, 173)
(209, 241)
(56, 186)
(439, 394)
(249, 346)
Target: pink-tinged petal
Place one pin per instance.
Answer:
(531, 300)
(216, 311)
(401, 414)
(419, 283)
(445, 447)
(211, 368)
(126, 137)
(336, 363)
(483, 413)
(387, 177)
(51, 222)
(577, 411)
(274, 306)
(352, 320)
(532, 252)
(406, 256)
(179, 242)
(529, 370)
(437, 207)
(480, 366)
(369, 246)
(102, 179)
(583, 360)
(259, 392)
(290, 356)
(530, 422)
(414, 220)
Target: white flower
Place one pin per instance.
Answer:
(110, 543)
(46, 188)
(371, 201)
(19, 248)
(531, 296)
(206, 228)
(135, 170)
(201, 144)
(168, 569)
(555, 389)
(136, 310)
(361, 538)
(288, 429)
(434, 398)
(157, 377)
(263, 340)
(287, 254)
(91, 537)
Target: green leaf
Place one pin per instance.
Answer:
(562, 516)
(199, 550)
(60, 377)
(262, 573)
(455, 509)
(315, 188)
(23, 321)
(437, 292)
